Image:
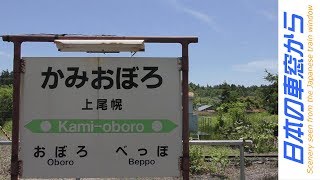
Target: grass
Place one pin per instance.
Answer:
(258, 127)
(256, 117)
(218, 150)
(219, 160)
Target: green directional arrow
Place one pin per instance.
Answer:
(100, 126)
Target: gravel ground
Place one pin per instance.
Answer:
(258, 171)
(5, 152)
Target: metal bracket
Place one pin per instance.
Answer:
(180, 163)
(185, 67)
(180, 63)
(181, 158)
(20, 170)
(22, 66)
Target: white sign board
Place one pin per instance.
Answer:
(101, 117)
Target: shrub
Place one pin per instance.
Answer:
(6, 98)
(219, 159)
(235, 124)
(197, 163)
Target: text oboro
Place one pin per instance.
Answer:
(56, 162)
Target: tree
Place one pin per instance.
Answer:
(6, 99)
(270, 93)
(6, 78)
(225, 96)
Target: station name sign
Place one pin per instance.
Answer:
(100, 117)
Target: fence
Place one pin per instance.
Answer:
(240, 143)
(206, 124)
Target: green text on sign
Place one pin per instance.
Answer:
(100, 126)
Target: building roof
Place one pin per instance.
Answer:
(204, 107)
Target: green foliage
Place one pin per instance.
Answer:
(207, 124)
(197, 163)
(219, 159)
(6, 91)
(270, 93)
(7, 127)
(262, 133)
(225, 96)
(242, 112)
(236, 124)
(6, 99)
(264, 97)
(6, 78)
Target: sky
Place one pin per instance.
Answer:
(237, 38)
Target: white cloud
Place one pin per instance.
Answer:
(196, 14)
(257, 66)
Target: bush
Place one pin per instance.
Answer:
(262, 133)
(218, 163)
(197, 163)
(219, 159)
(236, 124)
(6, 98)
